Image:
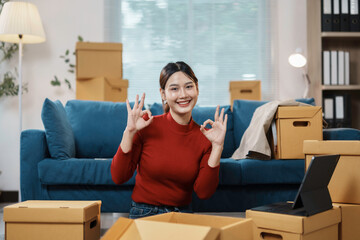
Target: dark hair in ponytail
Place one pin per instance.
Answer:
(169, 70)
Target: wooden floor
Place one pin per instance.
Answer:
(108, 219)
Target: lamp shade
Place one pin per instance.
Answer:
(21, 18)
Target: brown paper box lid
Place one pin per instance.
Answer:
(244, 84)
(141, 229)
(331, 147)
(52, 211)
(113, 82)
(295, 224)
(297, 111)
(99, 46)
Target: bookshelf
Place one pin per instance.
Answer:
(317, 42)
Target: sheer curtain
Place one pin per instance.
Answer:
(222, 40)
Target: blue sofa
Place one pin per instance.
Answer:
(70, 159)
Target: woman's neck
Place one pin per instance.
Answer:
(181, 119)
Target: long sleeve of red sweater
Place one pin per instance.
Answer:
(171, 161)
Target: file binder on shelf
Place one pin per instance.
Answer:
(336, 16)
(354, 16)
(326, 18)
(334, 68)
(347, 68)
(326, 68)
(344, 16)
(342, 110)
(328, 108)
(341, 68)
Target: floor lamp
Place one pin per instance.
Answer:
(299, 61)
(20, 23)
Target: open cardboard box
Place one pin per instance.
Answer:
(294, 124)
(56, 220)
(181, 226)
(344, 186)
(350, 221)
(289, 227)
(102, 89)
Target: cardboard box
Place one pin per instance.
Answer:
(295, 124)
(102, 89)
(249, 90)
(288, 227)
(181, 226)
(56, 220)
(98, 60)
(344, 186)
(350, 221)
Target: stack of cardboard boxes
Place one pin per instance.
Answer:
(344, 186)
(99, 74)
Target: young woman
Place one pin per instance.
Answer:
(173, 155)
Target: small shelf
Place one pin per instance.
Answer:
(340, 87)
(340, 34)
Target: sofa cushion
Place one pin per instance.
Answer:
(200, 115)
(77, 171)
(58, 131)
(98, 127)
(243, 111)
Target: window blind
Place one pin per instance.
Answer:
(222, 40)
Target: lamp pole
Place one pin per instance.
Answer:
(20, 83)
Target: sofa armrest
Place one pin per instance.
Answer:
(33, 149)
(341, 134)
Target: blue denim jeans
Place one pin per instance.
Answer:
(139, 210)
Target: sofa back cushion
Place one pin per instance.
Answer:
(98, 127)
(58, 131)
(243, 111)
(200, 115)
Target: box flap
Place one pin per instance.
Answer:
(142, 229)
(118, 229)
(294, 224)
(332, 147)
(297, 111)
(52, 211)
(103, 46)
(230, 227)
(244, 84)
(113, 82)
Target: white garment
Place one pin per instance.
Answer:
(254, 143)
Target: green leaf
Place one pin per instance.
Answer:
(71, 71)
(68, 83)
(67, 60)
(80, 39)
(67, 52)
(72, 65)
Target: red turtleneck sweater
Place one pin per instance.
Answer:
(171, 161)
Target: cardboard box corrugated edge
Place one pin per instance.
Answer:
(294, 111)
(230, 227)
(331, 147)
(103, 46)
(295, 224)
(243, 84)
(22, 212)
(142, 229)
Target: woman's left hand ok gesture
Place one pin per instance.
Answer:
(216, 134)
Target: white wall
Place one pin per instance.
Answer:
(291, 28)
(63, 22)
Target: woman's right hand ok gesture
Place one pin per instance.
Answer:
(136, 120)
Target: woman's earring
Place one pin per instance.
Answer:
(165, 102)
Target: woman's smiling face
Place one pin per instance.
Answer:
(181, 94)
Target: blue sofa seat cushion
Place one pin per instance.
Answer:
(251, 171)
(341, 134)
(77, 171)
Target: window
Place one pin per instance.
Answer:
(222, 40)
